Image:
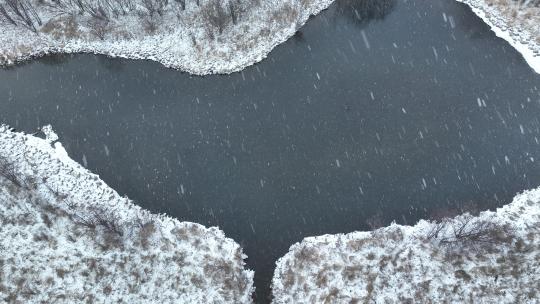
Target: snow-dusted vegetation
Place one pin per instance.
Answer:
(491, 258)
(516, 21)
(66, 237)
(201, 36)
(197, 36)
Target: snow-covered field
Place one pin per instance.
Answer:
(66, 237)
(491, 258)
(517, 22)
(179, 39)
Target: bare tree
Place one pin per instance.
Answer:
(5, 17)
(239, 7)
(150, 24)
(155, 6)
(467, 230)
(233, 10)
(20, 12)
(122, 7)
(99, 27)
(182, 4)
(215, 16)
(98, 11)
(97, 217)
(61, 6)
(7, 170)
(437, 229)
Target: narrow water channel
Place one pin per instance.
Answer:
(389, 110)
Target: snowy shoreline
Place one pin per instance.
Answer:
(192, 51)
(522, 38)
(490, 258)
(66, 235)
(188, 50)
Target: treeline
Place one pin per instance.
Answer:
(216, 14)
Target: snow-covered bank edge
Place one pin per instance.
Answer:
(522, 39)
(66, 236)
(191, 50)
(491, 258)
(172, 48)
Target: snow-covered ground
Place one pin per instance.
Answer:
(517, 22)
(179, 39)
(491, 258)
(66, 237)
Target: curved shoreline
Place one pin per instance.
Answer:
(164, 47)
(63, 227)
(173, 49)
(353, 266)
(494, 18)
(429, 261)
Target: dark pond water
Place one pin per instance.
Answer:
(395, 111)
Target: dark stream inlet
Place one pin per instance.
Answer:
(394, 111)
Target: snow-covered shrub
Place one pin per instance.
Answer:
(467, 230)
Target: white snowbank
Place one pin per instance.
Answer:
(185, 45)
(66, 237)
(492, 258)
(517, 22)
